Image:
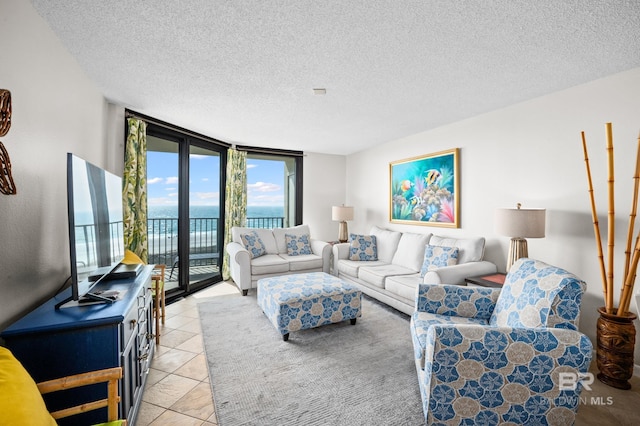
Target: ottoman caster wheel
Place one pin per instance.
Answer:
(353, 321)
(285, 337)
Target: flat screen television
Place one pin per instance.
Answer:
(96, 235)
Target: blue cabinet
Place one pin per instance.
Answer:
(53, 343)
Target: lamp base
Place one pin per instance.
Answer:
(517, 249)
(343, 234)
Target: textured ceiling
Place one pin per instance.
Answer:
(243, 71)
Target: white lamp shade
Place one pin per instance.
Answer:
(520, 223)
(341, 213)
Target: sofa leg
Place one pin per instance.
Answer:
(245, 292)
(285, 337)
(353, 321)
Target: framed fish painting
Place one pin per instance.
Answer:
(424, 190)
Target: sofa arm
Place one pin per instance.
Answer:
(455, 274)
(341, 251)
(240, 266)
(322, 249)
(528, 368)
(455, 300)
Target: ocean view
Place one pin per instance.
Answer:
(166, 212)
(203, 226)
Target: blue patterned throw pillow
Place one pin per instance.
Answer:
(437, 257)
(253, 244)
(297, 244)
(363, 247)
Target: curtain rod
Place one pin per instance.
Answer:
(160, 123)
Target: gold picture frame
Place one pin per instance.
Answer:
(425, 191)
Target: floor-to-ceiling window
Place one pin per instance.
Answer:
(274, 197)
(185, 197)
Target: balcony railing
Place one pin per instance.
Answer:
(203, 232)
(163, 241)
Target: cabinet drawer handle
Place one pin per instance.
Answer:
(133, 323)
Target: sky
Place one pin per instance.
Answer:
(265, 180)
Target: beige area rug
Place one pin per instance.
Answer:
(338, 374)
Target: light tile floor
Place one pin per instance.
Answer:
(178, 389)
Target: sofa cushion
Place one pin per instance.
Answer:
(303, 262)
(269, 264)
(351, 267)
(469, 249)
(438, 257)
(266, 235)
(403, 285)
(254, 245)
(363, 247)
(298, 244)
(387, 243)
(410, 252)
(280, 233)
(376, 275)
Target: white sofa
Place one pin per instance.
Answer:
(393, 278)
(246, 271)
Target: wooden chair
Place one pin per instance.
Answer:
(157, 289)
(159, 305)
(108, 375)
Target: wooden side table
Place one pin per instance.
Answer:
(488, 280)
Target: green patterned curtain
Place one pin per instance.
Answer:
(235, 199)
(134, 188)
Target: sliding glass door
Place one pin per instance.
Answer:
(204, 213)
(184, 184)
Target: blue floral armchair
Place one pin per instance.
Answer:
(511, 355)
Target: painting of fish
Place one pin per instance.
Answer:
(424, 190)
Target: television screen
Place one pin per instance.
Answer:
(96, 237)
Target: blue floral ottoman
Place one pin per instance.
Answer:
(301, 301)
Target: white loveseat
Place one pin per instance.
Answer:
(393, 278)
(247, 270)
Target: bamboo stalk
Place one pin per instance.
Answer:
(627, 288)
(632, 215)
(596, 224)
(630, 275)
(611, 220)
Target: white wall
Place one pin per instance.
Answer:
(56, 110)
(324, 187)
(529, 153)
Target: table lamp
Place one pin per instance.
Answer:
(519, 224)
(342, 214)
